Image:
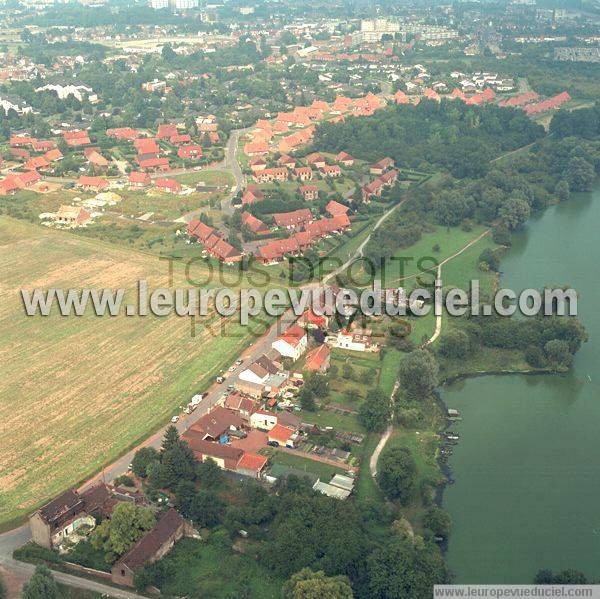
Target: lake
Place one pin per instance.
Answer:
(527, 468)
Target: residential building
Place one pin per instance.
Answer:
(52, 524)
(292, 343)
(139, 179)
(167, 185)
(154, 545)
(283, 435)
(72, 216)
(217, 424)
(318, 359)
(309, 192)
(92, 183)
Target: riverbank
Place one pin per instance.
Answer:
(523, 461)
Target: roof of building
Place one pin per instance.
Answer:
(150, 544)
(217, 422)
(317, 357)
(199, 445)
(294, 218)
(99, 182)
(254, 224)
(293, 335)
(335, 208)
(280, 433)
(252, 461)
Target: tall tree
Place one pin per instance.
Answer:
(403, 569)
(41, 585)
(374, 413)
(397, 474)
(418, 373)
(307, 584)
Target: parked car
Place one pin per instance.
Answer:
(273, 443)
(220, 379)
(175, 419)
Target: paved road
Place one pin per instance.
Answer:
(231, 163)
(22, 571)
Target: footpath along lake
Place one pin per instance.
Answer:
(527, 468)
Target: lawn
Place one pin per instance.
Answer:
(209, 177)
(422, 258)
(389, 370)
(340, 422)
(324, 472)
(77, 392)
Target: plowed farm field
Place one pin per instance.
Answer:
(76, 392)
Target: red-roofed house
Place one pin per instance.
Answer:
(254, 224)
(282, 435)
(153, 164)
(42, 145)
(180, 139)
(316, 159)
(331, 170)
(292, 343)
(278, 248)
(167, 185)
(18, 141)
(334, 208)
(146, 147)
(257, 164)
(311, 320)
(318, 359)
(251, 464)
(374, 188)
(9, 185)
(139, 179)
(292, 220)
(268, 175)
(345, 159)
(286, 161)
(92, 183)
(123, 133)
(53, 155)
(201, 231)
(401, 98)
(35, 163)
(303, 173)
(222, 250)
(190, 152)
(252, 194)
(309, 192)
(380, 167)
(256, 148)
(76, 138)
(166, 131)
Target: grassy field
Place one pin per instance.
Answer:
(213, 569)
(77, 392)
(208, 177)
(324, 471)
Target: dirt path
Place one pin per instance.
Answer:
(436, 333)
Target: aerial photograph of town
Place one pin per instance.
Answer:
(297, 299)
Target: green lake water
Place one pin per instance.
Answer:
(527, 468)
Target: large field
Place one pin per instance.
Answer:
(76, 392)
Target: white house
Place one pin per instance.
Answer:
(263, 420)
(353, 341)
(292, 343)
(69, 88)
(8, 103)
(259, 371)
